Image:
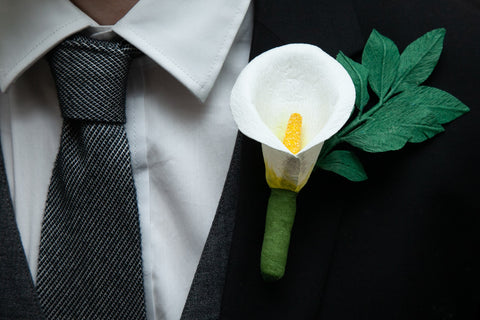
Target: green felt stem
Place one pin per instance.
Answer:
(280, 216)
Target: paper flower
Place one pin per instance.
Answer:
(292, 79)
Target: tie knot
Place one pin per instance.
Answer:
(91, 77)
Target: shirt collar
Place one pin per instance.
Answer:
(190, 39)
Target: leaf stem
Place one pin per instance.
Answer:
(359, 120)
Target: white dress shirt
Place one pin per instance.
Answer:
(179, 125)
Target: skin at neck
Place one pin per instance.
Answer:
(105, 12)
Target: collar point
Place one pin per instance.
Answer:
(201, 90)
(5, 83)
(203, 94)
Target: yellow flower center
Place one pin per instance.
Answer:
(293, 134)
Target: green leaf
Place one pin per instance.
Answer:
(359, 75)
(419, 59)
(344, 163)
(445, 106)
(381, 58)
(412, 116)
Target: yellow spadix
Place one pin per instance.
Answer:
(293, 135)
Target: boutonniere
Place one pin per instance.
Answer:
(301, 104)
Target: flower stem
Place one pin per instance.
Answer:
(280, 216)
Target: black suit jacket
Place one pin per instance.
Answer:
(402, 245)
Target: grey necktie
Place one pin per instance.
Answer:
(90, 263)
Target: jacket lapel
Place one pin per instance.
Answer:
(332, 26)
(228, 282)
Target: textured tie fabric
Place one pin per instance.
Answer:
(90, 263)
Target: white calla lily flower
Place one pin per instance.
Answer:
(295, 78)
(290, 99)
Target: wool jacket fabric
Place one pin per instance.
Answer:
(402, 245)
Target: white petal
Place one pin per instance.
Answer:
(297, 78)
(284, 171)
(293, 78)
